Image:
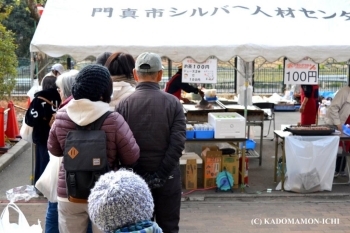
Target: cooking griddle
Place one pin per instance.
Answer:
(310, 130)
(194, 112)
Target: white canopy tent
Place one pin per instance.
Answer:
(199, 29)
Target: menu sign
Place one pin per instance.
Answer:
(304, 72)
(194, 72)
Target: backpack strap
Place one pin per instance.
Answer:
(99, 122)
(46, 100)
(96, 124)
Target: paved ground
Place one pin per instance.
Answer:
(247, 215)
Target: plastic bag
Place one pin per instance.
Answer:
(25, 192)
(47, 183)
(241, 95)
(34, 89)
(26, 132)
(310, 162)
(21, 226)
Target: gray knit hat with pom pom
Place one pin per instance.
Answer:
(120, 199)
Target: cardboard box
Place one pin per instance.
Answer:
(231, 163)
(198, 173)
(190, 155)
(191, 174)
(212, 157)
(227, 124)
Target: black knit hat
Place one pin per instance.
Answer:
(92, 82)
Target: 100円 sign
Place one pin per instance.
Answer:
(194, 72)
(304, 72)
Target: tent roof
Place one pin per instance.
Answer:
(198, 29)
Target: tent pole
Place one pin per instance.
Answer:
(170, 68)
(348, 72)
(235, 85)
(246, 84)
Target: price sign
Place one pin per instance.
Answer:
(193, 72)
(304, 72)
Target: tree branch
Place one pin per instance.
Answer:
(33, 10)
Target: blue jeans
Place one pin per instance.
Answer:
(51, 224)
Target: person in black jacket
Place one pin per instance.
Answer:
(158, 122)
(38, 115)
(175, 85)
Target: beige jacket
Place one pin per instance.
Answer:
(339, 110)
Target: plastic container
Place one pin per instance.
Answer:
(211, 98)
(346, 130)
(204, 134)
(250, 144)
(285, 107)
(190, 134)
(241, 95)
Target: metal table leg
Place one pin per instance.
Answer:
(276, 158)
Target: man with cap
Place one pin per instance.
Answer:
(121, 201)
(158, 122)
(175, 85)
(57, 69)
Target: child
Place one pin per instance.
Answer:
(122, 202)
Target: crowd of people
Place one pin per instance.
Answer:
(145, 137)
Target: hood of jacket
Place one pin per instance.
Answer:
(83, 111)
(121, 89)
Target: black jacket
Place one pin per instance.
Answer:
(158, 122)
(39, 114)
(176, 83)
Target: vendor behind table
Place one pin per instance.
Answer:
(175, 85)
(309, 104)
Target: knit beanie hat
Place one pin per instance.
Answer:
(91, 83)
(120, 199)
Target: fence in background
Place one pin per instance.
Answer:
(268, 77)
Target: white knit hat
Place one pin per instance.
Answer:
(58, 67)
(120, 199)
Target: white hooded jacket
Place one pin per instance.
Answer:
(121, 90)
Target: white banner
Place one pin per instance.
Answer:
(205, 72)
(304, 72)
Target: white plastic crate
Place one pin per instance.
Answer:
(227, 124)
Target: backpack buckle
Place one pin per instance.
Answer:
(72, 182)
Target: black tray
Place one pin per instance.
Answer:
(306, 132)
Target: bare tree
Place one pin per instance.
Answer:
(41, 58)
(32, 5)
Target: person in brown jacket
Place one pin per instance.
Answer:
(158, 122)
(91, 95)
